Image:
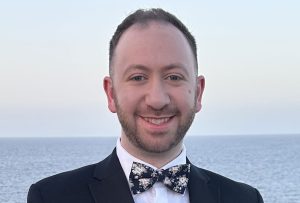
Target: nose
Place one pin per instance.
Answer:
(157, 96)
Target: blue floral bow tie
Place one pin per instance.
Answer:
(143, 177)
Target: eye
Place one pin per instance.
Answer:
(137, 78)
(174, 77)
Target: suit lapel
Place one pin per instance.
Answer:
(201, 189)
(110, 184)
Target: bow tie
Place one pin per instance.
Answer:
(143, 177)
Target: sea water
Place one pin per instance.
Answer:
(269, 163)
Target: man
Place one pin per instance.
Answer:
(155, 90)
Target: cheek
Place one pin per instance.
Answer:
(184, 99)
(128, 100)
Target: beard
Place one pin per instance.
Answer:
(138, 139)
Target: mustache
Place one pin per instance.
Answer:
(167, 110)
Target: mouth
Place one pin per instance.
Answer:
(157, 121)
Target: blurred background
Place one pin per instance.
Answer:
(54, 55)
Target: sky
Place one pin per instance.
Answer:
(54, 55)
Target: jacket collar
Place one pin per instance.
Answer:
(109, 177)
(201, 188)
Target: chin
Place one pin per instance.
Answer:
(157, 145)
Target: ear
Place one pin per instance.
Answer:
(200, 88)
(108, 88)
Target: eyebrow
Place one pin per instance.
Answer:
(165, 68)
(136, 67)
(177, 66)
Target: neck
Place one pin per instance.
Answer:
(157, 159)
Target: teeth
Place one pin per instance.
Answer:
(157, 121)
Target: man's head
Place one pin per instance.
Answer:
(154, 87)
(143, 17)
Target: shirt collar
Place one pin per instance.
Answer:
(127, 159)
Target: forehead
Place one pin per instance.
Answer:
(152, 27)
(153, 44)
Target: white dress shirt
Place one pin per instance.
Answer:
(158, 193)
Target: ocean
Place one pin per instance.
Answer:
(269, 163)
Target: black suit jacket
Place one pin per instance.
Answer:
(105, 182)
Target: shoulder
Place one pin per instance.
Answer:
(69, 186)
(63, 185)
(76, 176)
(79, 176)
(230, 190)
(227, 183)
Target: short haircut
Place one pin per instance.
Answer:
(143, 16)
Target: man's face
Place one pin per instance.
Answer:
(154, 88)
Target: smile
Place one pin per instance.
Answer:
(157, 121)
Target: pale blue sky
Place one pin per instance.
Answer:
(54, 55)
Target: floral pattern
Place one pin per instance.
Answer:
(143, 177)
